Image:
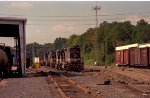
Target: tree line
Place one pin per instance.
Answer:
(98, 44)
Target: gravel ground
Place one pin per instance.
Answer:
(33, 87)
(136, 74)
(114, 90)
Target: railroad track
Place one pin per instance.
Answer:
(69, 88)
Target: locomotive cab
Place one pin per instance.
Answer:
(73, 59)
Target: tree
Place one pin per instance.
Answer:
(141, 32)
(60, 43)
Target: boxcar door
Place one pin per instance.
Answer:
(144, 56)
(132, 56)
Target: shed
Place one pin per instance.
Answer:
(15, 27)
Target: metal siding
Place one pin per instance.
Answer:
(149, 56)
(137, 56)
(132, 56)
(118, 57)
(126, 57)
(121, 57)
(144, 56)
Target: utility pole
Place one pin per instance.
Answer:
(96, 8)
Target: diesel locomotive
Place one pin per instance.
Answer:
(68, 59)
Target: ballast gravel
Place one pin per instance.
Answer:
(33, 87)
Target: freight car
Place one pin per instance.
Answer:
(123, 54)
(144, 57)
(133, 55)
(3, 62)
(7, 60)
(67, 59)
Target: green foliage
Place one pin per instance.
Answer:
(141, 32)
(60, 43)
(72, 41)
(90, 62)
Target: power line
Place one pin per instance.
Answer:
(45, 15)
(117, 14)
(118, 19)
(61, 20)
(63, 25)
(86, 19)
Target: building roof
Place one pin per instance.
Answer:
(13, 19)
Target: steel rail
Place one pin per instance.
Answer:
(80, 86)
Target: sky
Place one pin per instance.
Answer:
(47, 20)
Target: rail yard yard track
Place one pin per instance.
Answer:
(69, 88)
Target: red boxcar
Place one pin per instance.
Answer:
(123, 54)
(133, 55)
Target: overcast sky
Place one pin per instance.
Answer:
(49, 20)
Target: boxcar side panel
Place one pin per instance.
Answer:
(126, 57)
(118, 57)
(132, 56)
(122, 57)
(144, 56)
(149, 56)
(137, 56)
